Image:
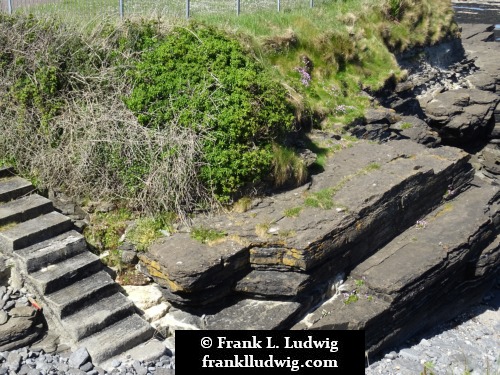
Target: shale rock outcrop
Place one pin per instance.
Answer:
(390, 231)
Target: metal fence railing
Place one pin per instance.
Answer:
(142, 8)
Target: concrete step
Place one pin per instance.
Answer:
(97, 316)
(6, 172)
(121, 336)
(58, 275)
(14, 187)
(147, 352)
(80, 294)
(24, 209)
(52, 250)
(413, 282)
(35, 230)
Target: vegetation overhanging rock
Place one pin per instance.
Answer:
(72, 113)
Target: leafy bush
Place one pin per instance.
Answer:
(200, 79)
(63, 121)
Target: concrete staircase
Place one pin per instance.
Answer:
(79, 297)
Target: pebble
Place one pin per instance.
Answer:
(3, 317)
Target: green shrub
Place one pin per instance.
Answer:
(202, 80)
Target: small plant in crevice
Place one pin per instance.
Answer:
(288, 167)
(106, 229)
(450, 192)
(207, 235)
(148, 229)
(350, 297)
(428, 368)
(421, 224)
(262, 229)
(242, 205)
(293, 212)
(359, 282)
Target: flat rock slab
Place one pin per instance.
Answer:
(366, 194)
(448, 232)
(440, 259)
(250, 314)
(272, 283)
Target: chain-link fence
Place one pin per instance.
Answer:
(89, 9)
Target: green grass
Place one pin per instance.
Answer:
(148, 229)
(293, 212)
(207, 235)
(344, 43)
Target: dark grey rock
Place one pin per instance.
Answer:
(9, 304)
(79, 357)
(272, 283)
(87, 367)
(417, 130)
(265, 315)
(129, 257)
(25, 369)
(23, 312)
(380, 116)
(482, 81)
(491, 159)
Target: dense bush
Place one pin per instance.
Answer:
(199, 79)
(63, 122)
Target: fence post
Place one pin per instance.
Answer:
(238, 7)
(121, 9)
(279, 6)
(187, 9)
(10, 6)
(312, 3)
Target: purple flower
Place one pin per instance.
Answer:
(305, 77)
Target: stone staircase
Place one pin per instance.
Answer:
(79, 298)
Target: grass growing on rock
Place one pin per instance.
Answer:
(207, 235)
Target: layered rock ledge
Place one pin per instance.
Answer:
(366, 195)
